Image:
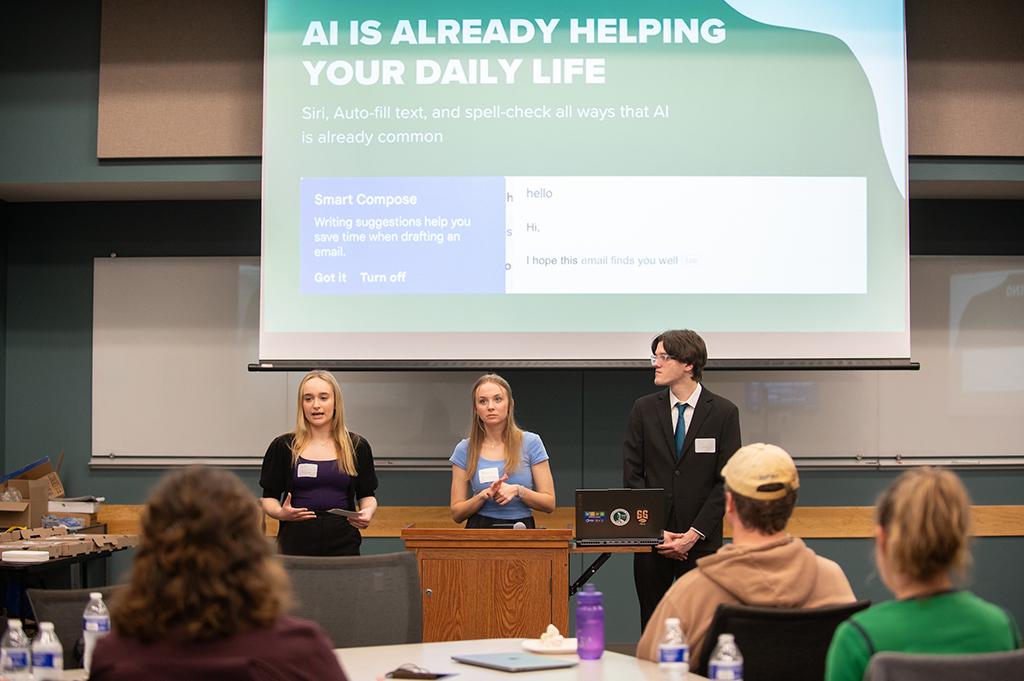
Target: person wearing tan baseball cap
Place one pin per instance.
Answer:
(763, 565)
(762, 472)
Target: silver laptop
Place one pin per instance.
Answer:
(514, 662)
(620, 517)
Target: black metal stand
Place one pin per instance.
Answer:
(588, 573)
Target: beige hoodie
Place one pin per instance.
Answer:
(782, 573)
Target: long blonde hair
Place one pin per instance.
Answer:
(343, 448)
(513, 436)
(926, 515)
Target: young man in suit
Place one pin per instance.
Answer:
(678, 439)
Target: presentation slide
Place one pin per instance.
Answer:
(538, 182)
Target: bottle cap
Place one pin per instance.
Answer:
(46, 626)
(14, 623)
(672, 621)
(95, 594)
(590, 595)
(725, 638)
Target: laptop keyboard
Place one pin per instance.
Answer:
(639, 541)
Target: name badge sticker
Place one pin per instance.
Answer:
(306, 470)
(704, 445)
(487, 475)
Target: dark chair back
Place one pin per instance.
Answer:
(360, 600)
(64, 607)
(778, 644)
(915, 667)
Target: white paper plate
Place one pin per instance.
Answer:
(28, 557)
(534, 645)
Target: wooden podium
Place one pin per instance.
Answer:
(491, 583)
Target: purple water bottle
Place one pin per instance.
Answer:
(589, 623)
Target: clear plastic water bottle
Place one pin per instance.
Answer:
(95, 625)
(589, 623)
(15, 653)
(726, 661)
(47, 655)
(673, 653)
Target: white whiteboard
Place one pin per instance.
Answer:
(171, 342)
(965, 403)
(172, 338)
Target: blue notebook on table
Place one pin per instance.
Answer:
(514, 662)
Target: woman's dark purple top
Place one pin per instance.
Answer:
(325, 490)
(278, 475)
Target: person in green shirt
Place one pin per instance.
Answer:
(921, 546)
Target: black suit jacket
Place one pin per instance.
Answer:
(694, 484)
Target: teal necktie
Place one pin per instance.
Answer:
(680, 429)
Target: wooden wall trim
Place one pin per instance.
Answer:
(811, 522)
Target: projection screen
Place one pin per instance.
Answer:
(558, 182)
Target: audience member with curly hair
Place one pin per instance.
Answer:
(208, 598)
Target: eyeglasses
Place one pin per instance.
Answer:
(660, 357)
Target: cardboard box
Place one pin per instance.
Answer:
(57, 543)
(37, 483)
(44, 471)
(76, 505)
(53, 549)
(30, 510)
(45, 533)
(60, 547)
(104, 542)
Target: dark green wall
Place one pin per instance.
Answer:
(49, 56)
(50, 251)
(580, 414)
(4, 211)
(49, 77)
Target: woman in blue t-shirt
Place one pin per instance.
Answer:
(500, 473)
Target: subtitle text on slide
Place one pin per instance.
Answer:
(346, 125)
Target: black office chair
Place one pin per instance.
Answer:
(778, 644)
(64, 607)
(360, 600)
(916, 667)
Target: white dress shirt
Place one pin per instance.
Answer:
(691, 403)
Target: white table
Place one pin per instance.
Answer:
(372, 662)
(74, 675)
